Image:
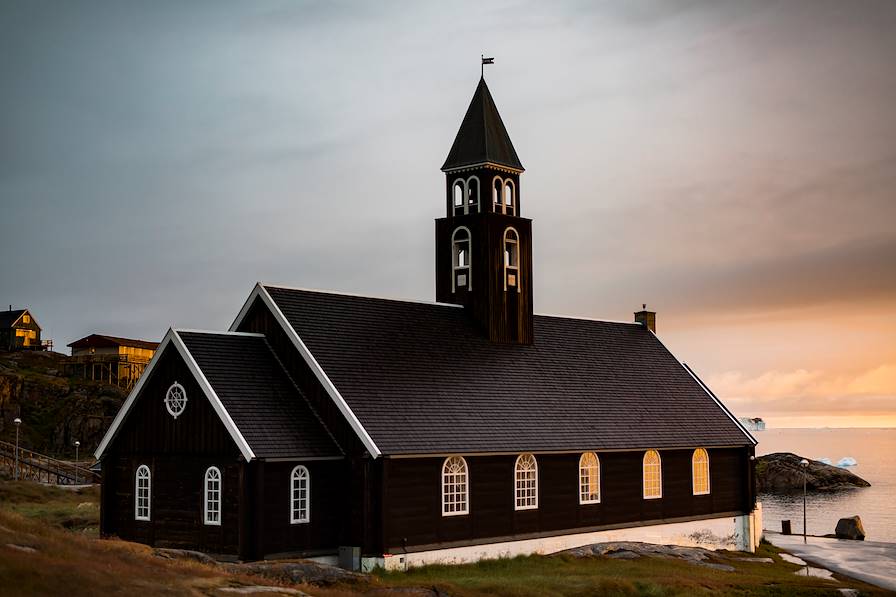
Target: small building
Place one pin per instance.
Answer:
(19, 331)
(406, 432)
(110, 359)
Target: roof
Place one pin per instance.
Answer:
(482, 137)
(421, 379)
(97, 340)
(8, 318)
(266, 407)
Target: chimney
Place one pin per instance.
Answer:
(646, 318)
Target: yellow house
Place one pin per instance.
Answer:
(110, 359)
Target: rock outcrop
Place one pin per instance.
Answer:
(782, 472)
(850, 528)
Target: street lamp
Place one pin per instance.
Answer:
(805, 464)
(77, 445)
(17, 421)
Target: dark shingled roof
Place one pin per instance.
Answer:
(482, 136)
(104, 340)
(270, 412)
(7, 318)
(421, 379)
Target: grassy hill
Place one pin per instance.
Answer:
(55, 410)
(49, 546)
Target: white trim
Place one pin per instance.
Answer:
(341, 404)
(478, 193)
(292, 498)
(123, 411)
(508, 182)
(466, 509)
(516, 487)
(514, 268)
(716, 400)
(478, 165)
(659, 465)
(235, 433)
(168, 406)
(172, 337)
(708, 475)
(205, 495)
(148, 516)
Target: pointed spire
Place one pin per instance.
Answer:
(482, 137)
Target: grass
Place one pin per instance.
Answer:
(49, 546)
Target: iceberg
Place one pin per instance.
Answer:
(847, 461)
(824, 460)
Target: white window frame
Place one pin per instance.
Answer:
(507, 267)
(586, 472)
(451, 480)
(454, 266)
(659, 473)
(499, 197)
(523, 500)
(299, 480)
(212, 496)
(142, 474)
(704, 462)
(465, 187)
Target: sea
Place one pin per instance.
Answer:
(874, 451)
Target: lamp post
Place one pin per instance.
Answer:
(17, 421)
(77, 445)
(805, 464)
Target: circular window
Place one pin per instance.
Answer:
(176, 399)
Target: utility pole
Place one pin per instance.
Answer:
(805, 464)
(17, 421)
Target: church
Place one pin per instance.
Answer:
(372, 431)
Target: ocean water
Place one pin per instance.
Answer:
(875, 453)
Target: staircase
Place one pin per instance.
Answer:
(34, 466)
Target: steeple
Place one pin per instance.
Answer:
(483, 246)
(482, 138)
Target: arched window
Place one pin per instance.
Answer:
(509, 197)
(455, 487)
(458, 196)
(142, 493)
(653, 475)
(700, 471)
(511, 259)
(300, 496)
(526, 473)
(589, 479)
(497, 194)
(213, 496)
(472, 195)
(461, 268)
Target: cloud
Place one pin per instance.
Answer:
(809, 392)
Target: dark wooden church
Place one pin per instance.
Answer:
(399, 432)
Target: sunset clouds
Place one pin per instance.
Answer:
(732, 164)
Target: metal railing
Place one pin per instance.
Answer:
(34, 466)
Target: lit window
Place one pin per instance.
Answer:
(589, 478)
(213, 496)
(526, 482)
(300, 496)
(461, 270)
(700, 471)
(511, 259)
(141, 493)
(26, 318)
(455, 488)
(653, 475)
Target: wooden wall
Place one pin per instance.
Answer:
(178, 452)
(412, 496)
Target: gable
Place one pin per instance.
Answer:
(144, 424)
(420, 379)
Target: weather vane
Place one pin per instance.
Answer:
(484, 62)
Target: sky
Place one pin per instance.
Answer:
(730, 163)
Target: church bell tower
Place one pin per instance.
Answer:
(484, 245)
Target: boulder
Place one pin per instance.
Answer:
(782, 472)
(850, 528)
